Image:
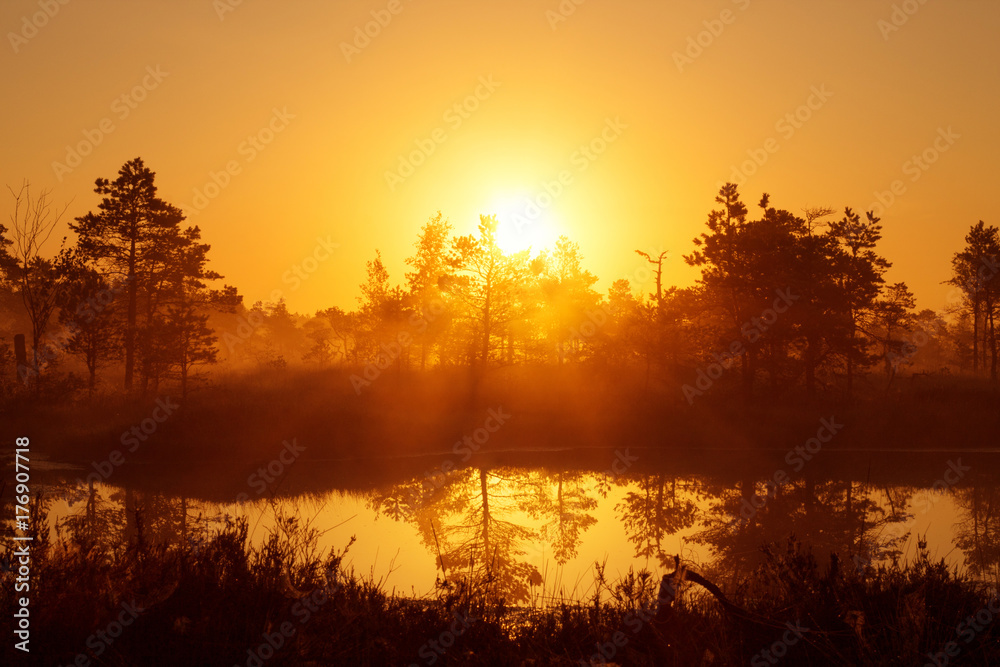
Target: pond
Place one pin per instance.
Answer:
(543, 523)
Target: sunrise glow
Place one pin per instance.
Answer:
(526, 332)
(524, 224)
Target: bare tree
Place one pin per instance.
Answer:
(816, 213)
(32, 224)
(658, 263)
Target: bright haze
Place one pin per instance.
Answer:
(617, 120)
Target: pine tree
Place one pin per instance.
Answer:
(128, 239)
(89, 318)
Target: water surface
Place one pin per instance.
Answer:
(541, 524)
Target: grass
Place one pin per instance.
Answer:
(218, 600)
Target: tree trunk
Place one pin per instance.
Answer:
(21, 359)
(133, 298)
(484, 490)
(486, 333)
(993, 346)
(975, 335)
(36, 339)
(850, 365)
(810, 363)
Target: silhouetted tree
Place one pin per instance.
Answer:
(473, 518)
(129, 238)
(829, 515)
(332, 332)
(383, 315)
(658, 263)
(430, 265)
(487, 283)
(725, 274)
(37, 279)
(568, 507)
(859, 272)
(978, 529)
(891, 318)
(819, 312)
(976, 271)
(567, 296)
(87, 315)
(652, 510)
(322, 350)
(181, 336)
(276, 337)
(745, 266)
(7, 262)
(832, 279)
(617, 341)
(932, 346)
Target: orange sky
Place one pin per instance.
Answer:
(199, 81)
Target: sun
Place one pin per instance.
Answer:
(524, 224)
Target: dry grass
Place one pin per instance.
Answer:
(213, 600)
